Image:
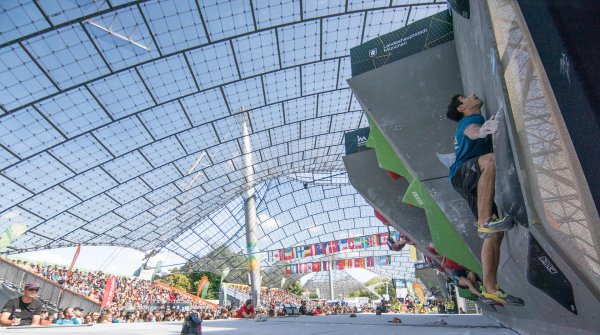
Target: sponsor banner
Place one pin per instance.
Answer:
(77, 251)
(421, 35)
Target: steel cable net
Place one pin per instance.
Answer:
(121, 121)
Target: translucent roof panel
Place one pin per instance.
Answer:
(142, 124)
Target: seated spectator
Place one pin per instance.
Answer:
(246, 311)
(25, 310)
(318, 311)
(69, 318)
(224, 314)
(78, 311)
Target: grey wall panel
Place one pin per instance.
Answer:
(407, 100)
(385, 195)
(482, 73)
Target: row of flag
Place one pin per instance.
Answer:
(341, 264)
(324, 248)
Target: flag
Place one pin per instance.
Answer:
(203, 281)
(282, 282)
(324, 247)
(320, 250)
(109, 291)
(358, 263)
(289, 254)
(74, 260)
(343, 245)
(383, 238)
(374, 240)
(307, 251)
(341, 265)
(288, 270)
(11, 234)
(332, 247)
(325, 266)
(300, 252)
(364, 242)
(224, 274)
(350, 243)
(357, 242)
(370, 262)
(316, 266)
(413, 253)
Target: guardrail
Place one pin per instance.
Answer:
(54, 294)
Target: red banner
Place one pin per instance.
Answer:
(74, 260)
(109, 291)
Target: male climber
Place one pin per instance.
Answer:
(473, 175)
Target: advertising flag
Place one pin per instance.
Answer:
(11, 234)
(74, 260)
(201, 284)
(109, 291)
(224, 274)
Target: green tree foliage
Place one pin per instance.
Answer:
(362, 293)
(381, 290)
(295, 288)
(189, 282)
(178, 280)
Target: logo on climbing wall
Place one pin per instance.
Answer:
(548, 264)
(361, 140)
(373, 52)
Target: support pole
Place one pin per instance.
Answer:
(250, 215)
(331, 295)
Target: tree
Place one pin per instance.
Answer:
(362, 293)
(295, 288)
(178, 280)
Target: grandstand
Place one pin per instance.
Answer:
(284, 142)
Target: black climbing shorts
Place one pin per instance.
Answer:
(465, 183)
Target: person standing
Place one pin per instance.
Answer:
(25, 310)
(473, 176)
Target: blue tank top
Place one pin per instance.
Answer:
(466, 148)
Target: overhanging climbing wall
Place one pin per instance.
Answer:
(551, 258)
